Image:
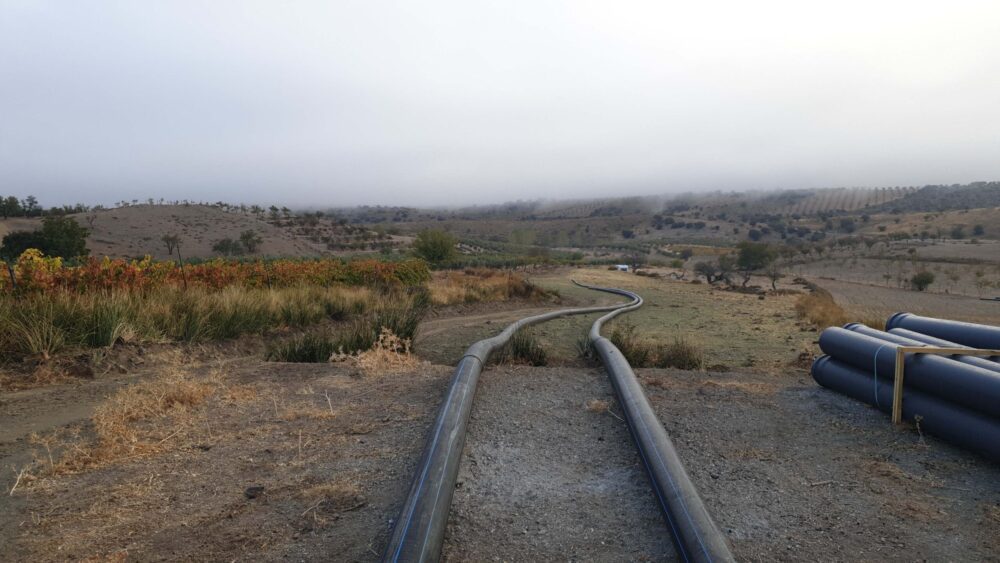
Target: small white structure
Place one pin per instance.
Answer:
(622, 267)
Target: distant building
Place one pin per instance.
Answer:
(622, 267)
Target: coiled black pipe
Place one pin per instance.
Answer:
(909, 338)
(967, 334)
(695, 534)
(951, 422)
(966, 385)
(419, 531)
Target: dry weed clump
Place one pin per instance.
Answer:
(597, 405)
(820, 309)
(390, 355)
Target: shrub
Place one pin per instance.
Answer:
(314, 348)
(680, 354)
(922, 280)
(522, 348)
(636, 352)
(434, 245)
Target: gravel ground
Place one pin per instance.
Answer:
(792, 471)
(546, 478)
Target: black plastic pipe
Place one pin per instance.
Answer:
(967, 334)
(419, 531)
(923, 338)
(695, 534)
(951, 422)
(910, 338)
(965, 385)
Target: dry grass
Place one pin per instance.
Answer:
(39, 326)
(820, 309)
(598, 405)
(390, 355)
(333, 496)
(141, 419)
(480, 284)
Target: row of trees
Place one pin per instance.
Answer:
(247, 243)
(57, 237)
(750, 258)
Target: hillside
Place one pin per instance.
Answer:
(137, 230)
(948, 198)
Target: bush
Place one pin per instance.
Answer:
(922, 280)
(60, 237)
(636, 352)
(435, 245)
(308, 348)
(680, 354)
(522, 348)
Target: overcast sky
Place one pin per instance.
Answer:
(458, 102)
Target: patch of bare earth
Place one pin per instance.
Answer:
(252, 460)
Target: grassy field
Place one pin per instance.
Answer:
(733, 330)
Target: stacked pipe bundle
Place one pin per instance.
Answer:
(954, 397)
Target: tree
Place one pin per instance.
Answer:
(978, 230)
(15, 243)
(435, 245)
(29, 204)
(172, 242)
(707, 269)
(251, 240)
(922, 280)
(726, 267)
(10, 206)
(59, 236)
(957, 232)
(228, 247)
(774, 273)
(753, 257)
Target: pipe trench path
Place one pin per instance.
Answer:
(544, 476)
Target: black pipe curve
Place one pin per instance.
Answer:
(418, 533)
(695, 534)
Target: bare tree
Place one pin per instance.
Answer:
(774, 272)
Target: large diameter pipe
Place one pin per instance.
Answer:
(910, 338)
(966, 385)
(967, 334)
(948, 421)
(932, 341)
(695, 534)
(418, 534)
